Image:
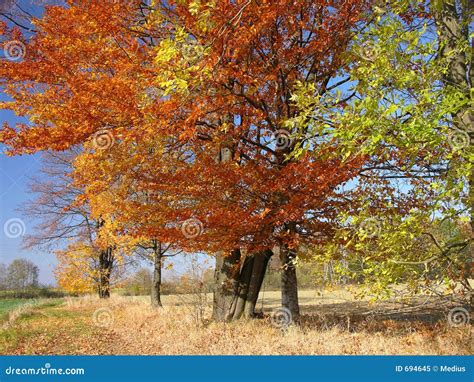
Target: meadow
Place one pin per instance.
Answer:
(7, 305)
(332, 323)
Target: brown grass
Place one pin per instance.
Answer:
(332, 327)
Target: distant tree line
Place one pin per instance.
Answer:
(20, 274)
(311, 276)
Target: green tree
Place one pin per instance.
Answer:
(22, 274)
(409, 82)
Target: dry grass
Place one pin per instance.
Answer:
(133, 327)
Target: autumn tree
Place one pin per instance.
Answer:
(64, 223)
(212, 89)
(155, 252)
(39, 86)
(262, 58)
(230, 102)
(81, 268)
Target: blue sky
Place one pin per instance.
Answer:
(15, 173)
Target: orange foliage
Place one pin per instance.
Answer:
(76, 271)
(159, 105)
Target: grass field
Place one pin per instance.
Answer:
(332, 323)
(7, 305)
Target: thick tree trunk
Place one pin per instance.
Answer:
(156, 283)
(225, 280)
(105, 270)
(104, 287)
(289, 283)
(242, 289)
(236, 285)
(258, 274)
(243, 285)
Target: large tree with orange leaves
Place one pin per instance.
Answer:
(185, 111)
(227, 115)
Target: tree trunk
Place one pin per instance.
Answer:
(452, 19)
(242, 289)
(256, 281)
(156, 283)
(236, 287)
(289, 283)
(244, 286)
(105, 270)
(470, 261)
(225, 280)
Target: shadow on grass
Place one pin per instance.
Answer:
(359, 315)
